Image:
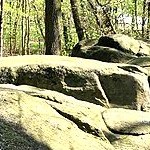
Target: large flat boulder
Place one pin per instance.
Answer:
(117, 48)
(30, 122)
(88, 80)
(106, 54)
(125, 44)
(34, 118)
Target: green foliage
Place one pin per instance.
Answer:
(33, 11)
(13, 26)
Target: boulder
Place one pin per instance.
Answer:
(35, 118)
(102, 53)
(115, 48)
(85, 44)
(143, 62)
(88, 80)
(121, 121)
(29, 122)
(125, 44)
(131, 127)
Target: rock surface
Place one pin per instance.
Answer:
(121, 121)
(125, 44)
(102, 53)
(89, 80)
(64, 103)
(143, 62)
(35, 118)
(116, 48)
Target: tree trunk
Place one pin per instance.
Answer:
(23, 28)
(1, 28)
(38, 21)
(28, 28)
(65, 31)
(10, 30)
(95, 13)
(52, 31)
(148, 22)
(107, 17)
(15, 27)
(77, 22)
(143, 18)
(135, 13)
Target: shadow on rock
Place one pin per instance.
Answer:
(13, 137)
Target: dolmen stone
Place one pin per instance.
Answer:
(37, 118)
(125, 44)
(117, 48)
(101, 83)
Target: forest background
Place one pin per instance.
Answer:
(25, 24)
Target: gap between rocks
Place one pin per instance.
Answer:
(81, 125)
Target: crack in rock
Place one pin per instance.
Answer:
(132, 69)
(82, 125)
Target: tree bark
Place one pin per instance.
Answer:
(108, 22)
(52, 31)
(148, 22)
(15, 27)
(135, 13)
(28, 28)
(10, 30)
(143, 18)
(38, 21)
(95, 13)
(1, 28)
(65, 31)
(77, 22)
(23, 28)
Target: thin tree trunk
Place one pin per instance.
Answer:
(14, 31)
(133, 22)
(28, 28)
(148, 22)
(65, 31)
(38, 21)
(135, 13)
(77, 22)
(10, 30)
(52, 31)
(143, 18)
(1, 27)
(23, 28)
(95, 13)
(107, 16)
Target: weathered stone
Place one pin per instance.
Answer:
(84, 44)
(124, 121)
(34, 118)
(141, 83)
(101, 53)
(87, 80)
(130, 142)
(60, 122)
(143, 62)
(125, 44)
(131, 128)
